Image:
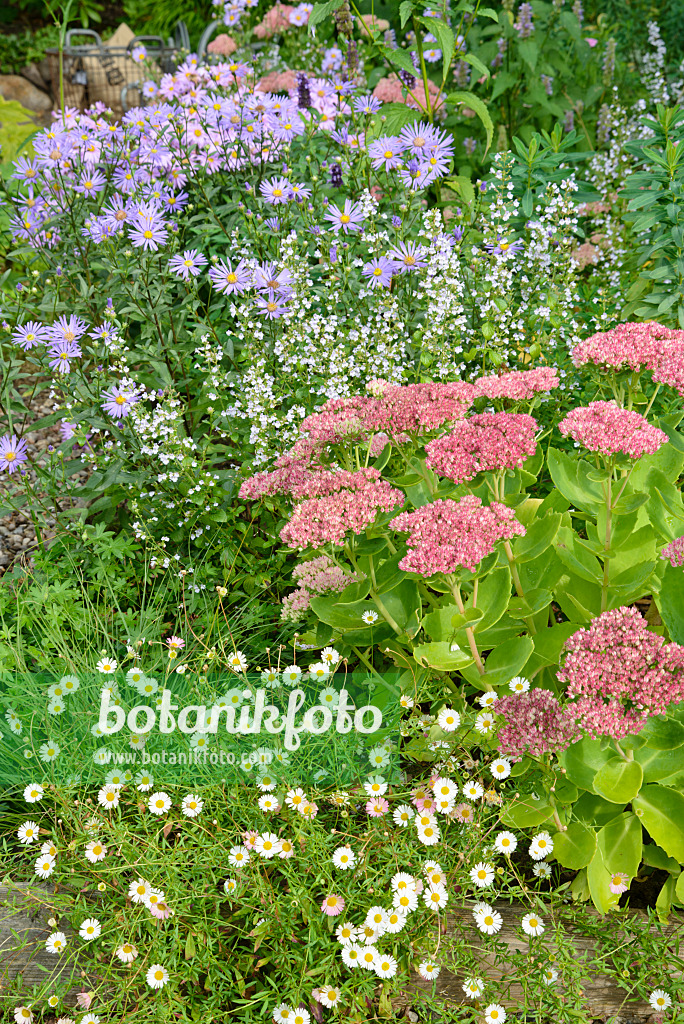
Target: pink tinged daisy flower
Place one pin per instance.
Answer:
(332, 905)
(619, 883)
(377, 807)
(378, 272)
(446, 534)
(31, 334)
(230, 280)
(12, 452)
(119, 402)
(175, 643)
(188, 264)
(160, 910)
(349, 219)
(428, 970)
(605, 428)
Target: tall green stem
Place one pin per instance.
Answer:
(456, 592)
(606, 544)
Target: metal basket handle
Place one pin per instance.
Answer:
(81, 32)
(206, 36)
(137, 40)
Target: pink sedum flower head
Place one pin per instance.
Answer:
(535, 723)
(618, 673)
(674, 553)
(629, 346)
(329, 518)
(517, 386)
(605, 428)
(448, 535)
(488, 441)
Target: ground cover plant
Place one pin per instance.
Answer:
(349, 654)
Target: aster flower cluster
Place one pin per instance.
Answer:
(447, 535)
(605, 428)
(618, 674)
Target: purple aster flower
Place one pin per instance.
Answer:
(231, 281)
(367, 105)
(458, 232)
(286, 129)
(67, 329)
(187, 265)
(119, 402)
(268, 278)
(414, 175)
(118, 211)
(104, 332)
(350, 218)
(67, 430)
(386, 152)
(61, 352)
(91, 183)
(396, 221)
(175, 200)
(148, 231)
(299, 191)
(12, 453)
(272, 223)
(503, 247)
(418, 137)
(275, 191)
(379, 272)
(407, 256)
(30, 334)
(126, 180)
(270, 307)
(25, 169)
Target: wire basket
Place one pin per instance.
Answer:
(96, 72)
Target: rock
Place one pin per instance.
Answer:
(43, 67)
(33, 74)
(15, 87)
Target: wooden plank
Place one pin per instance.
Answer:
(603, 997)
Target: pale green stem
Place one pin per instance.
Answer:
(455, 590)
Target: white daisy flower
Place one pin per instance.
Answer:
(70, 684)
(448, 720)
(108, 797)
(472, 791)
(429, 835)
(199, 741)
(329, 697)
(501, 768)
(106, 666)
(191, 805)
(139, 891)
(28, 832)
(239, 856)
(385, 966)
(473, 987)
(230, 885)
(267, 845)
(144, 781)
(428, 970)
(90, 929)
(541, 869)
(482, 875)
(377, 919)
(270, 678)
(292, 675)
(115, 778)
(519, 684)
(659, 999)
(370, 617)
(159, 803)
(532, 924)
(23, 1015)
(44, 866)
(484, 723)
(237, 662)
(330, 656)
(368, 933)
(300, 1016)
(351, 955)
(541, 846)
(549, 975)
(319, 670)
(435, 899)
(435, 877)
(487, 919)
(379, 756)
(154, 896)
(403, 882)
(506, 843)
(344, 858)
(95, 851)
(396, 921)
(328, 995)
(403, 815)
(157, 976)
(127, 953)
(33, 793)
(346, 933)
(406, 701)
(282, 1014)
(56, 943)
(406, 900)
(485, 700)
(495, 1014)
(135, 676)
(368, 957)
